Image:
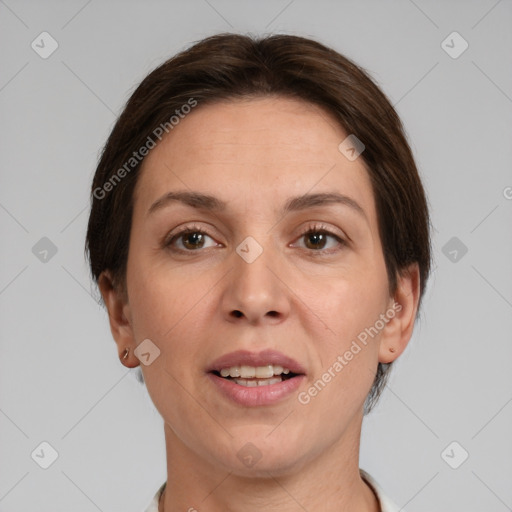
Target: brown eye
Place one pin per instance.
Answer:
(316, 239)
(190, 240)
(193, 240)
(319, 240)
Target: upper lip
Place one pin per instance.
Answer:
(263, 358)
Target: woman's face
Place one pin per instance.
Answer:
(247, 277)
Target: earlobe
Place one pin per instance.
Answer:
(404, 304)
(118, 314)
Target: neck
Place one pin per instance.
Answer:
(330, 482)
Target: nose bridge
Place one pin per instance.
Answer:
(254, 291)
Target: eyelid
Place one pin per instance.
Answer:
(183, 230)
(320, 227)
(312, 226)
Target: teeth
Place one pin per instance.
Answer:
(253, 383)
(249, 372)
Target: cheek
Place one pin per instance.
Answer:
(160, 297)
(346, 303)
(346, 354)
(173, 310)
(170, 310)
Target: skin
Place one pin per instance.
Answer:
(295, 298)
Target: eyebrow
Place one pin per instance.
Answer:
(213, 204)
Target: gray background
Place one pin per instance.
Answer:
(60, 377)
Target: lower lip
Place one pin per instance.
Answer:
(258, 395)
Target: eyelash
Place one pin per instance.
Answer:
(312, 228)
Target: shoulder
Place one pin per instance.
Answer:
(153, 506)
(386, 504)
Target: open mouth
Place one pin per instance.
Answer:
(256, 379)
(253, 376)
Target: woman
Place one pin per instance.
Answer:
(261, 239)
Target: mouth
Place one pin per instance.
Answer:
(253, 376)
(254, 379)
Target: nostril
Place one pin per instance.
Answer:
(237, 313)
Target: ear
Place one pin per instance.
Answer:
(402, 313)
(119, 316)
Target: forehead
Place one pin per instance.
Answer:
(254, 150)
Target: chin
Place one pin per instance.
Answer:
(268, 466)
(261, 455)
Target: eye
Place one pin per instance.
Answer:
(319, 238)
(192, 238)
(189, 239)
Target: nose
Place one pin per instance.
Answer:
(255, 291)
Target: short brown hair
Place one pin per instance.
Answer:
(231, 66)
